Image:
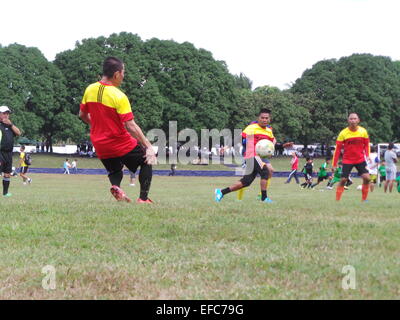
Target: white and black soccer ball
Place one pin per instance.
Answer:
(265, 148)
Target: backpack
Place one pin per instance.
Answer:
(28, 159)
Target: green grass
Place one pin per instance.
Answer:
(56, 161)
(186, 246)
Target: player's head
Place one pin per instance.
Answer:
(391, 146)
(327, 160)
(353, 119)
(22, 148)
(4, 112)
(264, 117)
(373, 149)
(383, 162)
(309, 159)
(114, 70)
(340, 163)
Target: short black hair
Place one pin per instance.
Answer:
(264, 110)
(22, 147)
(352, 112)
(391, 145)
(111, 65)
(327, 159)
(373, 149)
(308, 158)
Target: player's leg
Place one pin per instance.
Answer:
(6, 168)
(372, 183)
(345, 175)
(265, 177)
(291, 175)
(114, 168)
(248, 178)
(132, 161)
(363, 172)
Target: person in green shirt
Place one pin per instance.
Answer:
(322, 174)
(336, 178)
(398, 183)
(382, 172)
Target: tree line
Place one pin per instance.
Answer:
(168, 81)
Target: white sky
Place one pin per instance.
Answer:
(271, 41)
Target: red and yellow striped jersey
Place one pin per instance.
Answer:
(109, 108)
(355, 146)
(259, 133)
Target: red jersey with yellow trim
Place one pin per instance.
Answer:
(259, 133)
(355, 145)
(109, 108)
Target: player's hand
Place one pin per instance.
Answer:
(7, 121)
(333, 169)
(150, 156)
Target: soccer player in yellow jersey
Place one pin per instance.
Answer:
(254, 164)
(354, 142)
(117, 138)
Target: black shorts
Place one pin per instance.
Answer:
(253, 168)
(23, 169)
(320, 179)
(361, 169)
(132, 160)
(6, 161)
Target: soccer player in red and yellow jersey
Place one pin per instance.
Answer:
(118, 140)
(354, 142)
(254, 165)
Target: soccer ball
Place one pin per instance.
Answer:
(359, 187)
(265, 148)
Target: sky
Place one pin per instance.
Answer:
(272, 42)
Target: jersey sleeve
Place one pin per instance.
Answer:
(338, 149)
(124, 109)
(83, 105)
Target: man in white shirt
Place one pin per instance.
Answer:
(373, 164)
(391, 170)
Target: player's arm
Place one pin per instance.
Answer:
(336, 154)
(84, 116)
(14, 129)
(137, 133)
(288, 144)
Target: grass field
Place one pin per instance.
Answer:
(186, 246)
(43, 160)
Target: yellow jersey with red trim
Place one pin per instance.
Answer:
(22, 159)
(354, 144)
(109, 108)
(259, 133)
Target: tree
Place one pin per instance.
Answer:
(363, 83)
(35, 89)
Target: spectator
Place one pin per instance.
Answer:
(66, 166)
(391, 170)
(74, 166)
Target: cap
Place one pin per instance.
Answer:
(5, 109)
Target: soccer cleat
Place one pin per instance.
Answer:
(7, 195)
(218, 195)
(267, 200)
(119, 194)
(346, 188)
(29, 180)
(144, 201)
(329, 188)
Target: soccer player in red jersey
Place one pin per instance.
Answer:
(354, 142)
(253, 133)
(117, 138)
